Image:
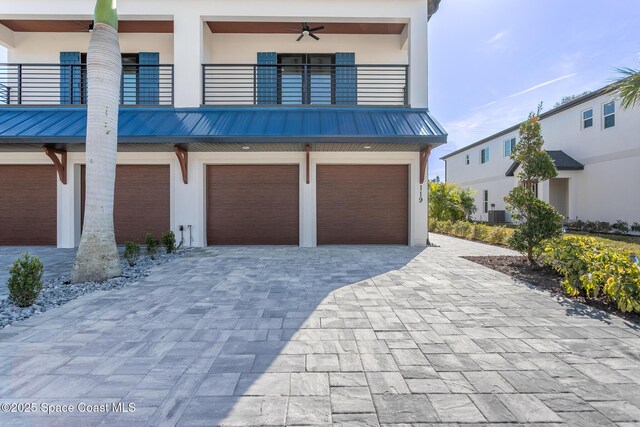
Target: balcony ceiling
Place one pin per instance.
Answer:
(238, 27)
(72, 26)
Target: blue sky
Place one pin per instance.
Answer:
(492, 61)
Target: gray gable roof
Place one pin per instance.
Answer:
(562, 160)
(596, 93)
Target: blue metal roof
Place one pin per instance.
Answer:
(252, 124)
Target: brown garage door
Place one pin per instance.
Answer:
(28, 205)
(362, 204)
(253, 205)
(142, 201)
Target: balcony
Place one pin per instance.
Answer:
(66, 84)
(305, 84)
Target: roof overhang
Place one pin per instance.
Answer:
(229, 129)
(83, 25)
(561, 160)
(284, 27)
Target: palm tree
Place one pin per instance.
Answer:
(97, 258)
(629, 86)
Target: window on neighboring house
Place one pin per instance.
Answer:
(609, 114)
(486, 201)
(509, 147)
(484, 155)
(587, 118)
(466, 160)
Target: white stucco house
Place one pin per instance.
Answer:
(595, 144)
(292, 122)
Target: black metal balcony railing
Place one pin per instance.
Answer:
(66, 84)
(349, 85)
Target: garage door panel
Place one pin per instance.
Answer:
(362, 204)
(142, 201)
(253, 205)
(28, 205)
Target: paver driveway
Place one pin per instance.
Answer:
(249, 336)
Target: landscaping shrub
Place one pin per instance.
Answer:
(152, 246)
(480, 232)
(131, 253)
(449, 201)
(499, 236)
(593, 269)
(462, 229)
(169, 241)
(476, 231)
(635, 227)
(25, 280)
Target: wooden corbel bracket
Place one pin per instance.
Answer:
(59, 163)
(424, 159)
(183, 158)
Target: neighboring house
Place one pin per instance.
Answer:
(231, 130)
(595, 144)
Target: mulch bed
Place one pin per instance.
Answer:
(543, 277)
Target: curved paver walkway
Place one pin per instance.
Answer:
(248, 336)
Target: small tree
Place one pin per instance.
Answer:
(468, 203)
(449, 202)
(538, 220)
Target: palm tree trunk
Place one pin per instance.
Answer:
(97, 258)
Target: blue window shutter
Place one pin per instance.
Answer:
(70, 78)
(149, 78)
(346, 79)
(267, 78)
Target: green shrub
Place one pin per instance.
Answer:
(462, 229)
(152, 246)
(131, 253)
(591, 268)
(169, 241)
(635, 226)
(498, 236)
(538, 222)
(480, 232)
(25, 280)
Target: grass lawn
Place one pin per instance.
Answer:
(623, 243)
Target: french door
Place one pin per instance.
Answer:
(306, 79)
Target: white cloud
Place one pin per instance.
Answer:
(497, 37)
(488, 104)
(538, 86)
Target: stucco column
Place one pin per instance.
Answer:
(418, 62)
(188, 201)
(187, 54)
(308, 236)
(418, 204)
(67, 208)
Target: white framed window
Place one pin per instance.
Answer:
(484, 155)
(485, 204)
(509, 147)
(467, 161)
(587, 118)
(609, 114)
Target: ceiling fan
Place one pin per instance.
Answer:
(307, 31)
